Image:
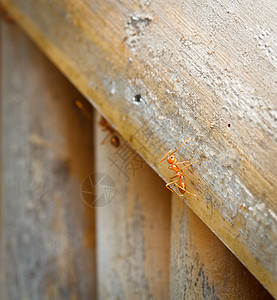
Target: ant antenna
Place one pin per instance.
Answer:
(169, 152)
(83, 110)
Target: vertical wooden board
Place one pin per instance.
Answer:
(133, 231)
(201, 266)
(47, 233)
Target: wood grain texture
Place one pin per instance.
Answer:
(201, 266)
(133, 231)
(47, 233)
(203, 70)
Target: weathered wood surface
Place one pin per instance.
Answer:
(201, 266)
(204, 70)
(133, 231)
(47, 233)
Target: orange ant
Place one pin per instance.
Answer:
(112, 133)
(114, 139)
(173, 165)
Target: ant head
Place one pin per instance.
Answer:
(171, 159)
(115, 141)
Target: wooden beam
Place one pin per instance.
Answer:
(47, 233)
(164, 71)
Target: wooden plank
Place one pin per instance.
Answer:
(201, 266)
(164, 71)
(47, 233)
(133, 230)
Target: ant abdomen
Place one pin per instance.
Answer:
(182, 187)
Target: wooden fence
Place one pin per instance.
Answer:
(160, 73)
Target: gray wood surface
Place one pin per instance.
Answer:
(205, 70)
(133, 231)
(202, 267)
(47, 233)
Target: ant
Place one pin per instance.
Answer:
(114, 139)
(112, 133)
(173, 165)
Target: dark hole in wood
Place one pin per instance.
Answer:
(229, 125)
(138, 97)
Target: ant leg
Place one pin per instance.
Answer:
(191, 164)
(172, 152)
(105, 140)
(173, 177)
(182, 162)
(168, 184)
(83, 110)
(175, 182)
(185, 191)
